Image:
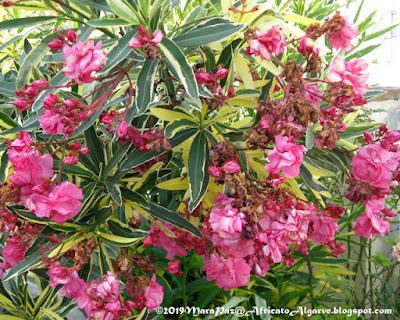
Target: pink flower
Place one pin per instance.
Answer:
(122, 129)
(231, 166)
(144, 39)
(215, 172)
(76, 288)
(23, 143)
(55, 45)
(313, 95)
(30, 167)
(158, 238)
(13, 254)
(221, 73)
(71, 35)
(59, 274)
(227, 221)
(154, 294)
(286, 156)
(350, 73)
(82, 59)
(61, 204)
(228, 272)
(71, 159)
(305, 49)
(173, 267)
(341, 39)
(371, 222)
(324, 229)
(22, 104)
(368, 227)
(375, 165)
(52, 122)
(204, 77)
(51, 100)
(267, 43)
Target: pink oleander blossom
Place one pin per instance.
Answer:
(324, 229)
(231, 166)
(227, 221)
(228, 273)
(144, 38)
(273, 41)
(350, 73)
(375, 165)
(82, 59)
(13, 254)
(52, 122)
(154, 294)
(286, 157)
(61, 204)
(341, 39)
(30, 167)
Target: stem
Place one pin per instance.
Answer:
(310, 281)
(371, 289)
(184, 296)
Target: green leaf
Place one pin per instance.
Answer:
(95, 146)
(177, 125)
(134, 197)
(108, 22)
(209, 31)
(145, 86)
(182, 68)
(4, 167)
(51, 314)
(101, 215)
(6, 121)
(113, 187)
(307, 178)
(199, 155)
(95, 4)
(75, 170)
(7, 88)
(380, 33)
(116, 158)
(124, 10)
(137, 158)
(172, 217)
(25, 22)
(363, 52)
(118, 228)
(120, 51)
(119, 241)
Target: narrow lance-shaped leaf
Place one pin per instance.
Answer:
(209, 31)
(145, 86)
(199, 155)
(182, 68)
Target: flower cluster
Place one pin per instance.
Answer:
(62, 117)
(28, 95)
(81, 59)
(286, 157)
(211, 81)
(264, 44)
(240, 240)
(148, 42)
(101, 299)
(37, 192)
(375, 169)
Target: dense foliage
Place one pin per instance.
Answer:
(199, 153)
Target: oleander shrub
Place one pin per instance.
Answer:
(188, 153)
